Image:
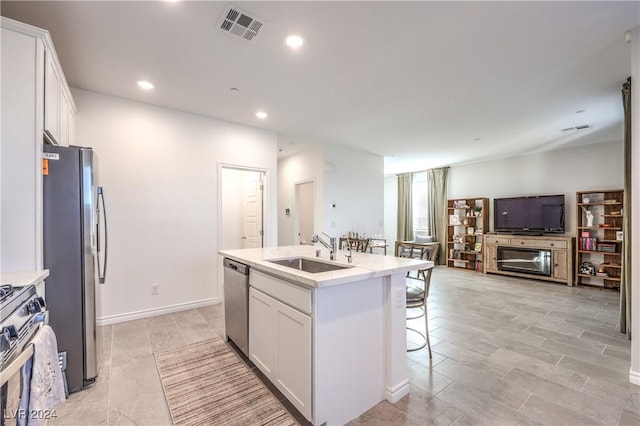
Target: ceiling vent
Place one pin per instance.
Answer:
(575, 129)
(240, 23)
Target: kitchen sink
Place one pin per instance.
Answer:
(308, 265)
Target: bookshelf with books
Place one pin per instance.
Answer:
(467, 222)
(599, 231)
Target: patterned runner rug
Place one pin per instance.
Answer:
(205, 383)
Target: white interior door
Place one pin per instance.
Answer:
(305, 207)
(252, 210)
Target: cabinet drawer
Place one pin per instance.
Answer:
(292, 294)
(515, 242)
(551, 244)
(498, 240)
(526, 242)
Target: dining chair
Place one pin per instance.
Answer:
(417, 293)
(363, 245)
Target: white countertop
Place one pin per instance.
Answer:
(23, 278)
(363, 267)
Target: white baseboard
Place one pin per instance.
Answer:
(397, 392)
(130, 316)
(634, 377)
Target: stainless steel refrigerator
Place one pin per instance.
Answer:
(74, 225)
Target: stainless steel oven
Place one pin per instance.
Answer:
(22, 311)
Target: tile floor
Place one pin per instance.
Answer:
(505, 351)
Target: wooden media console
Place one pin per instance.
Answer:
(546, 257)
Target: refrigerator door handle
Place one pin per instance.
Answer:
(102, 274)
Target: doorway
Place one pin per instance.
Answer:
(305, 206)
(242, 208)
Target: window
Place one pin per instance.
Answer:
(420, 194)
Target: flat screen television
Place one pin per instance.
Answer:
(543, 214)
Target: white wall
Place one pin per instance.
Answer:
(159, 168)
(233, 206)
(354, 182)
(553, 172)
(301, 167)
(390, 210)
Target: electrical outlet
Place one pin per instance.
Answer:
(155, 289)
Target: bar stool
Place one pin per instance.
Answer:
(418, 283)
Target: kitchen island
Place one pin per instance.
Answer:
(333, 342)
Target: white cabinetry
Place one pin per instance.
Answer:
(293, 357)
(280, 336)
(59, 111)
(51, 100)
(28, 61)
(262, 331)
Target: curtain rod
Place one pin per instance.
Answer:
(422, 171)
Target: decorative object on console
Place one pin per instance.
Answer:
(588, 215)
(602, 271)
(454, 220)
(607, 247)
(587, 268)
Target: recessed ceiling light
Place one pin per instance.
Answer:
(144, 84)
(294, 41)
(234, 89)
(261, 115)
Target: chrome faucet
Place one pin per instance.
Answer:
(332, 245)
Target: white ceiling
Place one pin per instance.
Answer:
(415, 82)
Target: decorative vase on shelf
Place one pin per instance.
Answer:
(589, 216)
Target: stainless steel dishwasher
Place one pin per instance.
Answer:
(236, 303)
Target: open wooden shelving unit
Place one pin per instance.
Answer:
(606, 207)
(462, 244)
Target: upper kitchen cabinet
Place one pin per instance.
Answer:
(59, 109)
(28, 61)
